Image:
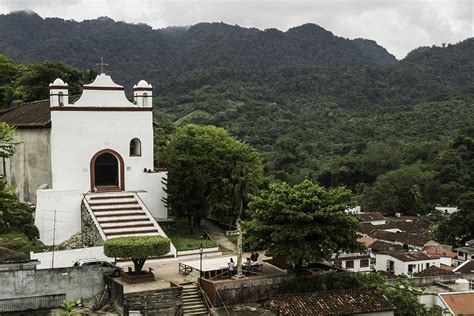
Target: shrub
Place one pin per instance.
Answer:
(8, 255)
(137, 248)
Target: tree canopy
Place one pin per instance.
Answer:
(302, 222)
(203, 162)
(137, 248)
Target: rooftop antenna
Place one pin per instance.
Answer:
(101, 64)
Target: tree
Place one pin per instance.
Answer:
(302, 222)
(138, 249)
(201, 160)
(457, 229)
(404, 190)
(7, 136)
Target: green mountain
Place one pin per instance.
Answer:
(338, 111)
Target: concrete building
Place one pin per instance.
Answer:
(355, 262)
(405, 263)
(447, 209)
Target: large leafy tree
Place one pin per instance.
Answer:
(458, 228)
(138, 249)
(302, 222)
(208, 170)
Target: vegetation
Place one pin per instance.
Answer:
(302, 222)
(183, 240)
(138, 249)
(209, 170)
(29, 82)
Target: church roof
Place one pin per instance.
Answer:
(31, 114)
(103, 81)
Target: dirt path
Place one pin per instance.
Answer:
(218, 235)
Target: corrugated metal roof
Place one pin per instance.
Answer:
(339, 302)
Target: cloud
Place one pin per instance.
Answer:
(398, 25)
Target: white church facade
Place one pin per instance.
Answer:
(100, 164)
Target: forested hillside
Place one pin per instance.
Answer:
(337, 111)
(136, 51)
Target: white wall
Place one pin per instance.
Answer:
(381, 222)
(66, 258)
(401, 267)
(67, 204)
(153, 192)
(77, 136)
(357, 267)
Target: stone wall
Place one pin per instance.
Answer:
(90, 234)
(165, 302)
(242, 291)
(75, 283)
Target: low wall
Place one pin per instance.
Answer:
(421, 281)
(66, 258)
(31, 286)
(251, 290)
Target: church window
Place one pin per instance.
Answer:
(135, 148)
(61, 98)
(145, 99)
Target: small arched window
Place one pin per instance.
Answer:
(145, 99)
(135, 148)
(61, 98)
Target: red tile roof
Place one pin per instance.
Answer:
(407, 256)
(408, 227)
(466, 267)
(460, 303)
(339, 302)
(434, 271)
(366, 240)
(32, 114)
(381, 246)
(405, 238)
(437, 250)
(368, 217)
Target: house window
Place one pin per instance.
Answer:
(364, 263)
(390, 265)
(145, 99)
(411, 267)
(350, 264)
(135, 148)
(427, 265)
(60, 98)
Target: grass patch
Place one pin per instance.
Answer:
(183, 240)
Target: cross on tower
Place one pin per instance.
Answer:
(101, 64)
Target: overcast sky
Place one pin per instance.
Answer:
(398, 25)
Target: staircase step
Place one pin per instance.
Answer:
(125, 206)
(122, 219)
(112, 230)
(130, 231)
(127, 224)
(110, 196)
(112, 201)
(119, 213)
(131, 234)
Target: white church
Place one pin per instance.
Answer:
(88, 165)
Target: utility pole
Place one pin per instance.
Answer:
(54, 239)
(239, 249)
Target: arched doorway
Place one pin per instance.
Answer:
(107, 171)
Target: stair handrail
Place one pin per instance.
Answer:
(207, 300)
(91, 214)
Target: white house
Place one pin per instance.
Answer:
(447, 209)
(406, 263)
(101, 160)
(355, 262)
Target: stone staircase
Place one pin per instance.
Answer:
(193, 302)
(121, 214)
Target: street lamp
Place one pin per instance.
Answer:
(200, 260)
